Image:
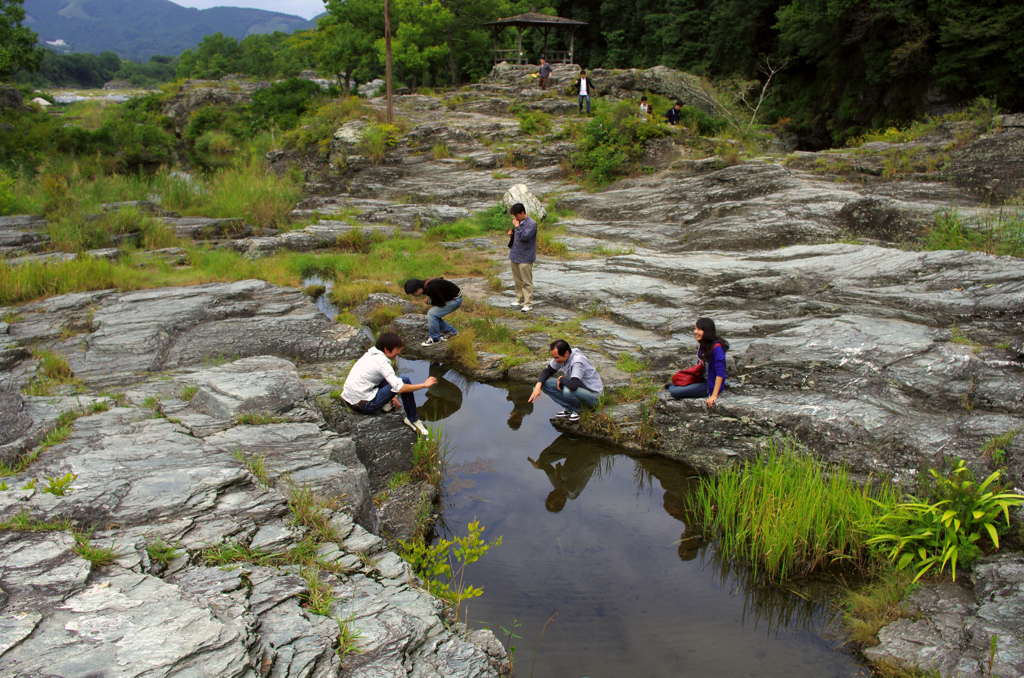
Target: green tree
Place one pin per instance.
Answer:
(216, 56)
(345, 40)
(17, 43)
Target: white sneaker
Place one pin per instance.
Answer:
(513, 304)
(418, 425)
(431, 342)
(526, 309)
(405, 420)
(386, 408)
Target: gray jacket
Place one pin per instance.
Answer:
(524, 243)
(579, 366)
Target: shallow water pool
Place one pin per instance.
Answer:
(595, 541)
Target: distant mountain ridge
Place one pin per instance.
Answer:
(139, 29)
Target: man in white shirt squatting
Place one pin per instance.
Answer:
(371, 384)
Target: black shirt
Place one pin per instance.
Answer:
(440, 291)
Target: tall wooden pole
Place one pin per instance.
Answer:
(387, 60)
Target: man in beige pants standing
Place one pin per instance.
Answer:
(522, 253)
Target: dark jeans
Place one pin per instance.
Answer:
(570, 400)
(698, 390)
(587, 97)
(384, 396)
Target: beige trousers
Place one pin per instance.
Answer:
(522, 274)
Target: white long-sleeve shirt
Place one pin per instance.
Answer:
(366, 376)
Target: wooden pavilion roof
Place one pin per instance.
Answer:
(535, 19)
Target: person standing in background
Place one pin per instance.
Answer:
(543, 73)
(522, 253)
(583, 86)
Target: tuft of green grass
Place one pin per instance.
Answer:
(430, 456)
(441, 151)
(259, 418)
(161, 552)
(256, 466)
(314, 291)
(1001, 233)
(381, 317)
(347, 637)
(59, 486)
(318, 596)
(313, 511)
(398, 479)
(995, 447)
(878, 603)
(189, 392)
(630, 363)
(53, 372)
(787, 516)
(24, 522)
(98, 556)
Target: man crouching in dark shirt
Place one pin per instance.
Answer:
(444, 297)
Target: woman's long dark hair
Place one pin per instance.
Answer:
(710, 338)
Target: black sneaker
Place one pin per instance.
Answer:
(574, 417)
(563, 414)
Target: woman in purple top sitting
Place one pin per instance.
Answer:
(711, 354)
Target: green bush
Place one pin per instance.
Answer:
(283, 103)
(378, 140)
(533, 122)
(612, 142)
(922, 534)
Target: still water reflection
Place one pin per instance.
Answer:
(600, 541)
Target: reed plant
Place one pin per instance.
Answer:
(787, 516)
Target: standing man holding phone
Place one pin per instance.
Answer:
(522, 253)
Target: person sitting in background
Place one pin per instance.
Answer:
(711, 355)
(672, 116)
(579, 384)
(371, 384)
(444, 297)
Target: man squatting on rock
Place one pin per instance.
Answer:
(444, 297)
(522, 253)
(371, 383)
(578, 385)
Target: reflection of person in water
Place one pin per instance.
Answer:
(569, 466)
(443, 398)
(519, 396)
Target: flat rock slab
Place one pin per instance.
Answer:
(257, 384)
(114, 623)
(131, 334)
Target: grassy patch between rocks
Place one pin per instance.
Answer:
(786, 516)
(1000, 234)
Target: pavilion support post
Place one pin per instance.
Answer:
(495, 45)
(544, 49)
(572, 36)
(519, 56)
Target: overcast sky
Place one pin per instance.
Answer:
(307, 9)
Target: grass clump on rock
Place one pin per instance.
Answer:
(785, 516)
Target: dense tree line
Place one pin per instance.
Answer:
(850, 64)
(846, 65)
(264, 56)
(93, 70)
